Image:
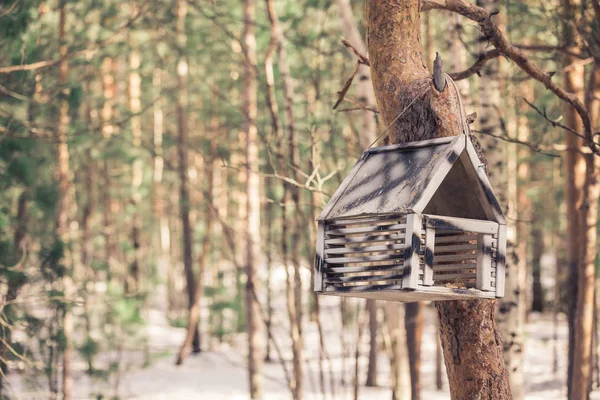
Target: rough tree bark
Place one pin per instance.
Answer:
(252, 222)
(470, 338)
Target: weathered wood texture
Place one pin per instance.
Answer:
(407, 252)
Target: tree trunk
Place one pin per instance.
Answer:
(252, 222)
(573, 79)
(63, 202)
(413, 320)
(586, 274)
(395, 340)
(132, 280)
(182, 150)
(372, 367)
(537, 238)
(160, 295)
(194, 314)
(471, 341)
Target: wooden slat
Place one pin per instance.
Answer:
(366, 221)
(367, 229)
(359, 269)
(458, 247)
(351, 260)
(364, 240)
(454, 257)
(363, 288)
(365, 249)
(454, 267)
(452, 277)
(463, 224)
(455, 238)
(367, 278)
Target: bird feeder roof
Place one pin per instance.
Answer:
(441, 176)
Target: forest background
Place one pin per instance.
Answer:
(162, 164)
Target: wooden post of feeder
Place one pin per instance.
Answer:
(414, 223)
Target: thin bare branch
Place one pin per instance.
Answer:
(549, 48)
(342, 93)
(68, 56)
(477, 66)
(362, 59)
(495, 36)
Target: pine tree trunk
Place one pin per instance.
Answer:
(470, 338)
(252, 223)
(537, 238)
(588, 222)
(182, 150)
(63, 203)
(373, 324)
(161, 294)
(395, 340)
(573, 79)
(413, 320)
(132, 280)
(195, 309)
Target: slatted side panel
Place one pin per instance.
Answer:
(455, 258)
(364, 254)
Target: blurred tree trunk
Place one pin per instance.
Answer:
(413, 320)
(252, 222)
(502, 173)
(395, 341)
(523, 206)
(196, 308)
(373, 325)
(475, 368)
(107, 114)
(537, 248)
(64, 203)
(573, 79)
(367, 134)
(163, 232)
(586, 275)
(132, 280)
(182, 150)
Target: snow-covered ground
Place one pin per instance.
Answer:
(220, 373)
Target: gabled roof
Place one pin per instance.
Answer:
(438, 176)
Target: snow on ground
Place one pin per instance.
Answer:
(220, 373)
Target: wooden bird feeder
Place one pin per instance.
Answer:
(415, 221)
